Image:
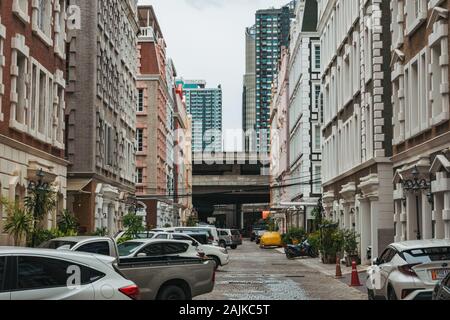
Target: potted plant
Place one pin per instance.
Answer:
(331, 242)
(351, 247)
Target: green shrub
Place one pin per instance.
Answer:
(350, 244)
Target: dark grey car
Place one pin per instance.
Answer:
(442, 290)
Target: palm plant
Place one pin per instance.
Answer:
(19, 222)
(67, 223)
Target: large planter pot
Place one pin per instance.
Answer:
(329, 259)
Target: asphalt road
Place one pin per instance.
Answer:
(265, 274)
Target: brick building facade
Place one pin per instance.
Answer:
(32, 99)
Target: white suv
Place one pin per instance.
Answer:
(43, 274)
(409, 270)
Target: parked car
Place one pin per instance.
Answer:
(229, 238)
(43, 274)
(140, 235)
(442, 290)
(98, 245)
(159, 277)
(258, 235)
(271, 239)
(213, 235)
(142, 248)
(255, 229)
(410, 270)
(218, 254)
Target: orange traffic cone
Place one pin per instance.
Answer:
(338, 269)
(355, 276)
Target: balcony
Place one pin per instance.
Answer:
(147, 34)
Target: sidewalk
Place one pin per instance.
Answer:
(330, 270)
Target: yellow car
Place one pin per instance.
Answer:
(271, 239)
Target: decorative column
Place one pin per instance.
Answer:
(446, 215)
(427, 226)
(437, 216)
(365, 229)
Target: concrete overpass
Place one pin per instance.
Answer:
(235, 179)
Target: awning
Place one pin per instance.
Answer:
(77, 185)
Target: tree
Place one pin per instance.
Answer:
(191, 221)
(134, 225)
(19, 222)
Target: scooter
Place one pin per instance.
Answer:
(303, 249)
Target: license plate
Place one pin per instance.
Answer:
(439, 274)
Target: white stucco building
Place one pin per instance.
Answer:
(357, 125)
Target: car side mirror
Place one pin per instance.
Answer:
(141, 255)
(195, 243)
(376, 261)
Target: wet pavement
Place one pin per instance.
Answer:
(266, 274)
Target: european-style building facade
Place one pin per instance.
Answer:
(101, 112)
(279, 138)
(420, 100)
(305, 111)
(155, 181)
(32, 100)
(357, 122)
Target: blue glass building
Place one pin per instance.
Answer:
(205, 106)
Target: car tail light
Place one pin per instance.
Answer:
(131, 291)
(407, 270)
(210, 239)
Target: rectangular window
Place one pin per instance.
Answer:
(140, 140)
(140, 100)
(317, 138)
(139, 175)
(317, 57)
(21, 88)
(317, 189)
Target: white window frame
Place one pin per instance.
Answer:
(314, 68)
(416, 13)
(45, 133)
(44, 33)
(317, 131)
(317, 186)
(2, 65)
(20, 9)
(18, 46)
(59, 107)
(140, 132)
(60, 28)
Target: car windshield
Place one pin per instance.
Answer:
(145, 235)
(58, 244)
(427, 255)
(128, 248)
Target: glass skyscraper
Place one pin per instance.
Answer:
(205, 106)
(272, 32)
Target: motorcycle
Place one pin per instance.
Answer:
(304, 249)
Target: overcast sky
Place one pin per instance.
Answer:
(206, 40)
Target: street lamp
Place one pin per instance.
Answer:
(416, 186)
(39, 188)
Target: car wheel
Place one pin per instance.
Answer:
(172, 292)
(391, 294)
(216, 262)
(234, 247)
(222, 244)
(370, 294)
